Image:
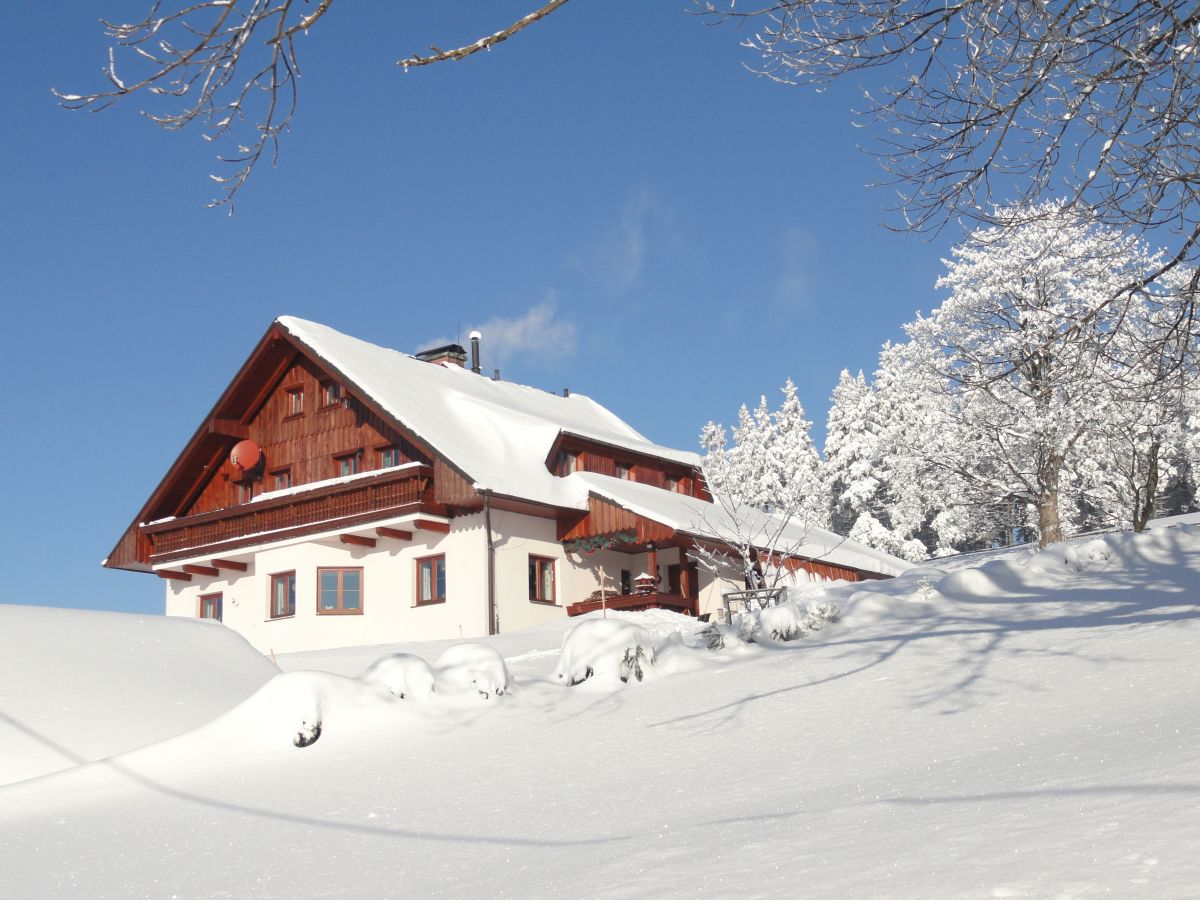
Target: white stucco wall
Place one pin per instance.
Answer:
(390, 613)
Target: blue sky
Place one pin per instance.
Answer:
(610, 197)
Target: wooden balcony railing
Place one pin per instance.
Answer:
(319, 509)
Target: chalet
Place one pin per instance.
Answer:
(340, 493)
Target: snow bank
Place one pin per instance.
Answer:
(79, 685)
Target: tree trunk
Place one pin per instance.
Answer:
(1049, 525)
(1143, 510)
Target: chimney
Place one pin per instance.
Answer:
(475, 336)
(496, 375)
(449, 354)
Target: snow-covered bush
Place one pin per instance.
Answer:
(473, 666)
(820, 613)
(781, 622)
(605, 649)
(402, 674)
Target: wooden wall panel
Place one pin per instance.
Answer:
(306, 444)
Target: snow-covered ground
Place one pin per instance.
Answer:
(1026, 727)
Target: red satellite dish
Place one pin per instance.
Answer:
(246, 455)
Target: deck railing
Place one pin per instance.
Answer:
(329, 505)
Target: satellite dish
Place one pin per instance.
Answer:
(246, 455)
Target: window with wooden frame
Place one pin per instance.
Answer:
(568, 462)
(388, 457)
(294, 405)
(671, 483)
(283, 595)
(281, 479)
(331, 394)
(339, 592)
(431, 580)
(347, 464)
(541, 579)
(210, 606)
(244, 491)
(625, 470)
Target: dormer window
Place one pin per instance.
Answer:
(331, 394)
(295, 402)
(568, 462)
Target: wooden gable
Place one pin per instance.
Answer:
(256, 405)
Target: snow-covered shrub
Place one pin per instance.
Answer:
(781, 622)
(719, 636)
(605, 649)
(820, 613)
(474, 666)
(402, 674)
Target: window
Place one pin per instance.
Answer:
(568, 462)
(672, 483)
(431, 580)
(626, 582)
(283, 595)
(331, 393)
(245, 491)
(625, 471)
(339, 592)
(210, 606)
(281, 480)
(541, 579)
(295, 402)
(388, 457)
(346, 465)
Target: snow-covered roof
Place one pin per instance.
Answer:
(497, 433)
(702, 519)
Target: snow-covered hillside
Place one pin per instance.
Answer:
(1024, 728)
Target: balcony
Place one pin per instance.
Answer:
(298, 513)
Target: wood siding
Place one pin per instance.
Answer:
(603, 460)
(306, 445)
(607, 518)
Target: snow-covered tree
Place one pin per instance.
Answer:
(850, 449)
(768, 487)
(1030, 346)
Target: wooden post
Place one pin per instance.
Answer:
(652, 564)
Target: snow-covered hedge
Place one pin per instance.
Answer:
(402, 674)
(605, 649)
(474, 666)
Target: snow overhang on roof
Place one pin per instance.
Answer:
(497, 433)
(701, 519)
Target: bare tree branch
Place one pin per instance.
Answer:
(484, 43)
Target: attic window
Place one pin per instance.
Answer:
(389, 457)
(347, 464)
(295, 402)
(625, 471)
(671, 483)
(331, 394)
